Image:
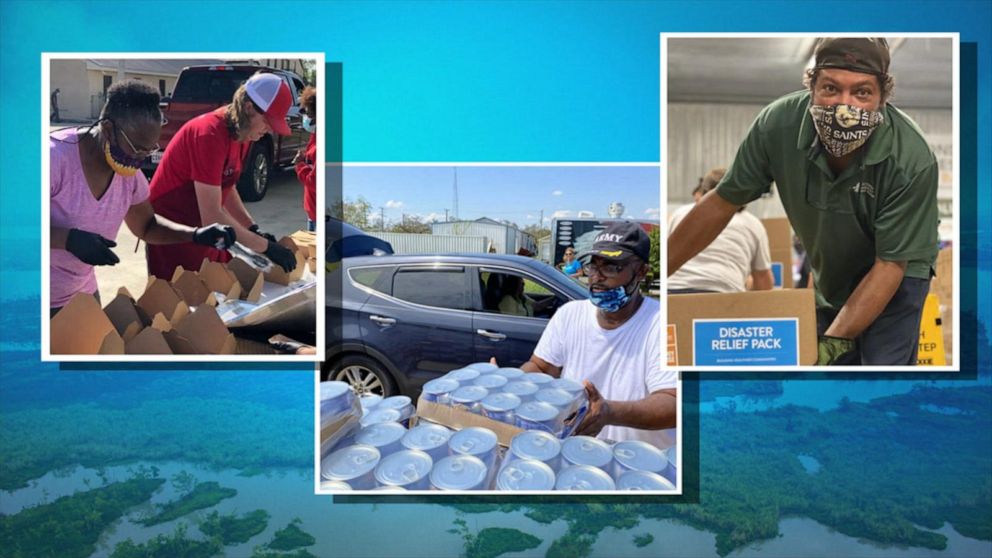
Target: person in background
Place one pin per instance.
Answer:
(515, 302)
(195, 182)
(95, 186)
(54, 115)
(306, 159)
(739, 252)
(569, 265)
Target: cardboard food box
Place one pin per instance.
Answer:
(82, 328)
(128, 318)
(277, 275)
(457, 419)
(206, 332)
(780, 247)
(219, 279)
(755, 328)
(942, 285)
(160, 297)
(250, 279)
(307, 241)
(189, 285)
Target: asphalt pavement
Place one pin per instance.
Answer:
(280, 212)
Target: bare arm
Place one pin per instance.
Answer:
(868, 300)
(155, 229)
(538, 364)
(762, 280)
(208, 199)
(236, 208)
(698, 229)
(654, 412)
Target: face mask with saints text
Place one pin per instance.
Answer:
(843, 128)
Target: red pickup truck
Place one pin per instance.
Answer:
(201, 89)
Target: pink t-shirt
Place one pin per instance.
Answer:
(74, 207)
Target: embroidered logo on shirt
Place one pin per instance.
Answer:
(863, 188)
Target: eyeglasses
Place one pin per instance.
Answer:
(140, 153)
(608, 270)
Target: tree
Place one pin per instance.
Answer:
(654, 261)
(354, 212)
(537, 231)
(411, 224)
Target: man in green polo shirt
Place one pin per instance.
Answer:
(859, 185)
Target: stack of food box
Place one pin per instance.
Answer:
(486, 428)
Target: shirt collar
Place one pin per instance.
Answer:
(879, 146)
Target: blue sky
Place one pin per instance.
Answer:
(514, 193)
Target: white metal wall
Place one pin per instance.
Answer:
(409, 243)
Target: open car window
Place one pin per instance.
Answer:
(536, 300)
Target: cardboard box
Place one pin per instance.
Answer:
(780, 247)
(942, 285)
(306, 241)
(82, 328)
(160, 297)
(277, 275)
(128, 318)
(206, 332)
(754, 328)
(219, 279)
(457, 419)
(250, 279)
(189, 285)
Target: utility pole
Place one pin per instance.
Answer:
(445, 214)
(382, 219)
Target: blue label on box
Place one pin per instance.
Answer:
(751, 342)
(777, 274)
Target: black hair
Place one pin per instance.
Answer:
(130, 101)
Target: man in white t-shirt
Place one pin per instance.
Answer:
(612, 343)
(739, 252)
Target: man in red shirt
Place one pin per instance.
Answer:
(195, 182)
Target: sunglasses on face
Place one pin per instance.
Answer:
(139, 152)
(608, 270)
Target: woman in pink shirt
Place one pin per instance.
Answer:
(95, 186)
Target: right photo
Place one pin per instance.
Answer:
(811, 201)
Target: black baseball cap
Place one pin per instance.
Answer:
(619, 240)
(867, 55)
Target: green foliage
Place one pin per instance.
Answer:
(571, 545)
(231, 529)
(291, 537)
(496, 541)
(70, 526)
(640, 541)
(264, 552)
(203, 495)
(654, 261)
(355, 212)
(411, 224)
(168, 546)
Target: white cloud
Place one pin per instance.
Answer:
(557, 193)
(433, 216)
(394, 204)
(561, 214)
(530, 217)
(653, 212)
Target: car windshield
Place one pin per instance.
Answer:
(216, 86)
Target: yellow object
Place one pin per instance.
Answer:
(931, 348)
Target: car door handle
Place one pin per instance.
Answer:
(382, 321)
(491, 335)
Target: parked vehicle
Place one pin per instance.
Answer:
(201, 89)
(397, 321)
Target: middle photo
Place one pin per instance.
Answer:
(496, 328)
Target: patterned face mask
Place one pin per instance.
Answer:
(843, 128)
(122, 163)
(613, 299)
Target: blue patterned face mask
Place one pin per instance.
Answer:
(308, 124)
(613, 299)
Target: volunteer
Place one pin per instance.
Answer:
(95, 186)
(738, 253)
(195, 182)
(306, 159)
(858, 183)
(569, 265)
(612, 343)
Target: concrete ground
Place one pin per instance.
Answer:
(280, 213)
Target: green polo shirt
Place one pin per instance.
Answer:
(883, 205)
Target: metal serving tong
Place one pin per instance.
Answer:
(249, 256)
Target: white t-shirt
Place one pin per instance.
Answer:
(724, 265)
(623, 363)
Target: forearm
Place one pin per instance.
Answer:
(58, 237)
(237, 210)
(698, 229)
(868, 300)
(762, 280)
(165, 231)
(654, 412)
(537, 364)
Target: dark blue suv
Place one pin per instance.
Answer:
(397, 321)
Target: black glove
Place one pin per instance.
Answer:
(91, 248)
(267, 236)
(281, 256)
(215, 235)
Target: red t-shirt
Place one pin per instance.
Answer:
(202, 151)
(306, 172)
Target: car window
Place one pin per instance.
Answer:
(299, 86)
(216, 86)
(536, 299)
(443, 288)
(375, 278)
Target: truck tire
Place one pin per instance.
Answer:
(254, 181)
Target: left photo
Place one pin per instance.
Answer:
(180, 198)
